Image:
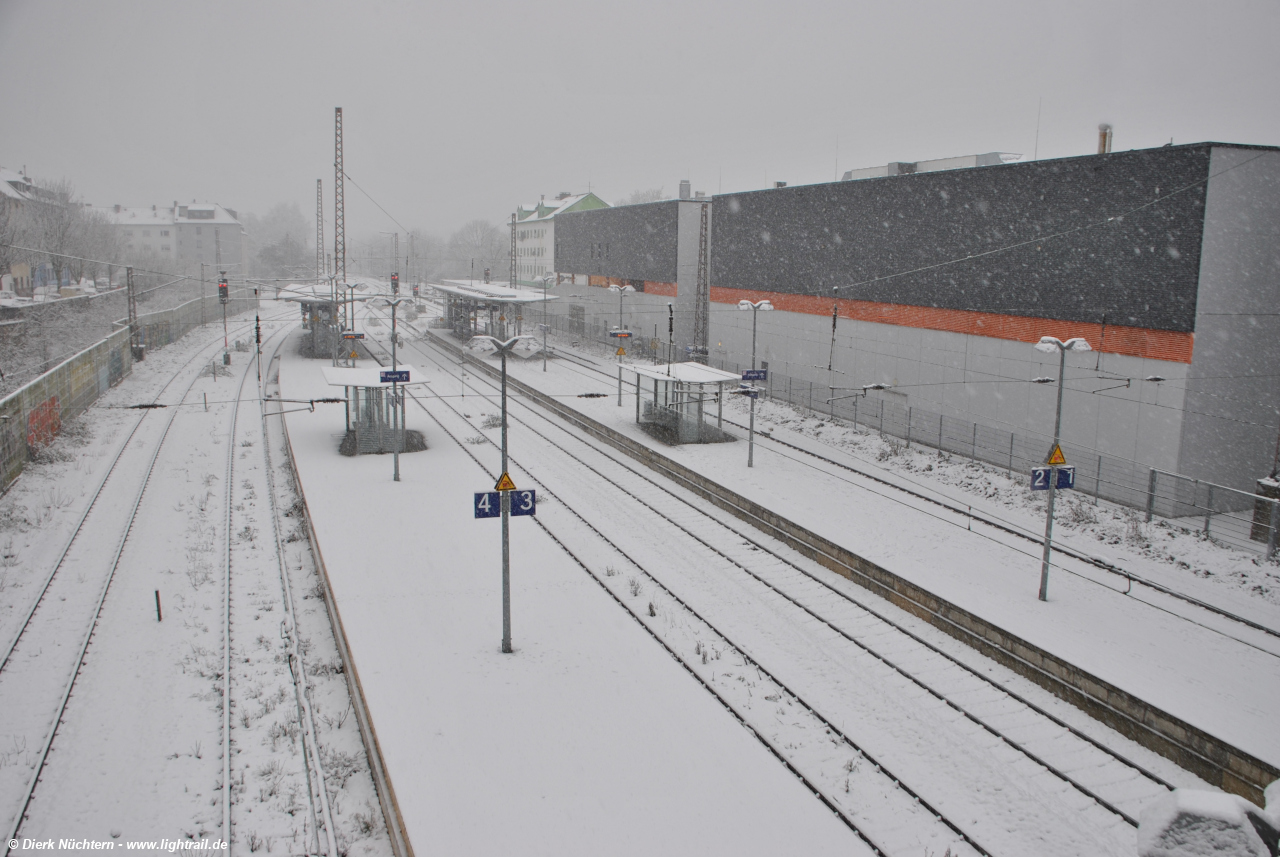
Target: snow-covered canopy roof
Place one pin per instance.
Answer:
(363, 376)
(490, 292)
(685, 373)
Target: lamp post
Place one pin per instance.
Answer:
(503, 349)
(546, 284)
(751, 430)
(397, 421)
(622, 292)
(1050, 344)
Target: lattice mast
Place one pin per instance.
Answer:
(512, 284)
(702, 301)
(339, 223)
(320, 267)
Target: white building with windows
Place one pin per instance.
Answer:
(183, 235)
(535, 233)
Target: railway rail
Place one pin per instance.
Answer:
(966, 514)
(1122, 800)
(56, 612)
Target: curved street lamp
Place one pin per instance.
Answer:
(1050, 344)
(546, 284)
(751, 428)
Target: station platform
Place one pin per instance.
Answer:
(588, 740)
(1207, 672)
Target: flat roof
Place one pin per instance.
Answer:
(685, 373)
(360, 376)
(490, 292)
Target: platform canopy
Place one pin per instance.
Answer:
(489, 292)
(684, 373)
(362, 376)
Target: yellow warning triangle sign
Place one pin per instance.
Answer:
(1056, 456)
(505, 484)
(621, 351)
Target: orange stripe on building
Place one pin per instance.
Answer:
(651, 287)
(1114, 339)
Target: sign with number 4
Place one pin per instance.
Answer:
(488, 504)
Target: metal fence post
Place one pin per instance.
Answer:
(1151, 495)
(974, 453)
(1208, 510)
(1097, 481)
(882, 417)
(1275, 524)
(908, 426)
(1010, 455)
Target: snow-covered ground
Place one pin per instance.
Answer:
(138, 755)
(1202, 670)
(691, 595)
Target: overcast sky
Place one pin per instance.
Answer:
(461, 110)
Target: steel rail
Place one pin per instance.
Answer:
(826, 722)
(84, 517)
(1129, 819)
(1009, 528)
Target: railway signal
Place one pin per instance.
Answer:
(395, 284)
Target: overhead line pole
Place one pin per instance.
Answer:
(339, 218)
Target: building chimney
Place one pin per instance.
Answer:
(1104, 139)
(777, 185)
(117, 208)
(686, 190)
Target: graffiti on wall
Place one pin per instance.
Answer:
(43, 424)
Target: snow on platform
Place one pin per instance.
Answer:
(1210, 680)
(589, 739)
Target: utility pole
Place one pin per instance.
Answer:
(751, 429)
(1049, 344)
(135, 335)
(702, 305)
(339, 223)
(831, 358)
(202, 321)
(320, 271)
(224, 296)
(671, 333)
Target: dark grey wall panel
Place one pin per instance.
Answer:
(1141, 270)
(633, 241)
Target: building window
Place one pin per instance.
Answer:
(164, 233)
(198, 230)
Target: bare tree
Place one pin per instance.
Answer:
(482, 242)
(640, 196)
(61, 230)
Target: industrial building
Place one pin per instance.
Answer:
(1166, 260)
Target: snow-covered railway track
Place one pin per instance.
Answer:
(250, 593)
(1187, 607)
(854, 633)
(812, 747)
(49, 651)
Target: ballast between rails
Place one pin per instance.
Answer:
(1010, 529)
(773, 750)
(1003, 691)
(1205, 755)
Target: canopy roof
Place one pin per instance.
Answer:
(685, 373)
(490, 292)
(360, 376)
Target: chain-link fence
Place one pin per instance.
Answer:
(1234, 517)
(1228, 515)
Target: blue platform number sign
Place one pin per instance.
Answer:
(755, 374)
(488, 504)
(387, 376)
(1040, 477)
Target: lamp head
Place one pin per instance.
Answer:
(1049, 344)
(1079, 343)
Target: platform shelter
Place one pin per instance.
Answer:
(673, 401)
(495, 309)
(320, 317)
(372, 424)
